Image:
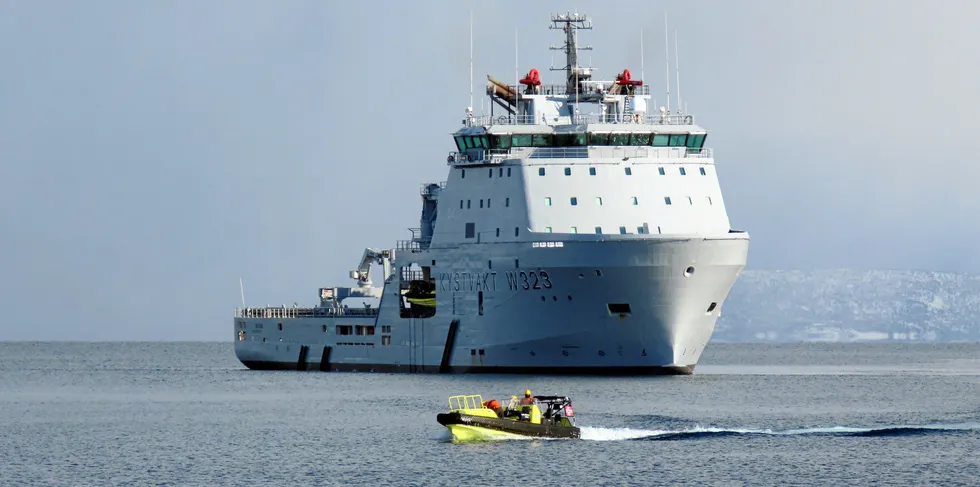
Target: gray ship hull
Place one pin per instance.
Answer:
(618, 305)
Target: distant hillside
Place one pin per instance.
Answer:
(848, 305)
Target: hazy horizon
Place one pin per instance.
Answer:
(155, 153)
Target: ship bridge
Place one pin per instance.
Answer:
(583, 160)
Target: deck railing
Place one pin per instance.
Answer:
(582, 118)
(250, 312)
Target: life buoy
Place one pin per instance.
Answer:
(501, 119)
(689, 120)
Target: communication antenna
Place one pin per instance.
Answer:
(241, 287)
(471, 64)
(641, 55)
(677, 71)
(517, 81)
(667, 61)
(570, 23)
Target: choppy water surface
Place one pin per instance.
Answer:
(190, 414)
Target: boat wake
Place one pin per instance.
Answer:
(595, 433)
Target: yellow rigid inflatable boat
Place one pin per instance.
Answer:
(469, 419)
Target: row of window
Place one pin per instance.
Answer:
(598, 230)
(470, 231)
(500, 172)
(633, 200)
(693, 142)
(592, 171)
(352, 330)
(469, 203)
(628, 170)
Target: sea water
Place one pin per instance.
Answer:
(753, 414)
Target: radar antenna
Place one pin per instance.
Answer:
(571, 23)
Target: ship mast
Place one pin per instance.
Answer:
(574, 74)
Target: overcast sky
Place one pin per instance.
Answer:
(151, 153)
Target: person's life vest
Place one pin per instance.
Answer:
(491, 404)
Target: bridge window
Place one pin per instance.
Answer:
(598, 200)
(568, 171)
(661, 171)
(678, 140)
(702, 171)
(507, 202)
(460, 204)
(683, 172)
(695, 142)
(629, 171)
(667, 199)
(571, 140)
(540, 171)
(467, 204)
(498, 231)
(462, 173)
(470, 230)
(481, 202)
(591, 171)
(522, 140)
(345, 330)
(640, 139)
(547, 201)
(573, 230)
(508, 172)
(543, 140)
(491, 173)
(574, 201)
(517, 231)
(500, 174)
(488, 202)
(500, 141)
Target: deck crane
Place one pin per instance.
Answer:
(371, 256)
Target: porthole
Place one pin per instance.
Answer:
(689, 271)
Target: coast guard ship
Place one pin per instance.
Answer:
(576, 233)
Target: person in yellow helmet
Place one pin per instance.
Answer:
(528, 398)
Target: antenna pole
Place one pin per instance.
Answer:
(517, 81)
(471, 61)
(677, 71)
(667, 61)
(641, 55)
(241, 287)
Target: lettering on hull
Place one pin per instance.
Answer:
(528, 280)
(468, 281)
(487, 281)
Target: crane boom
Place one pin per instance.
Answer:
(363, 272)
